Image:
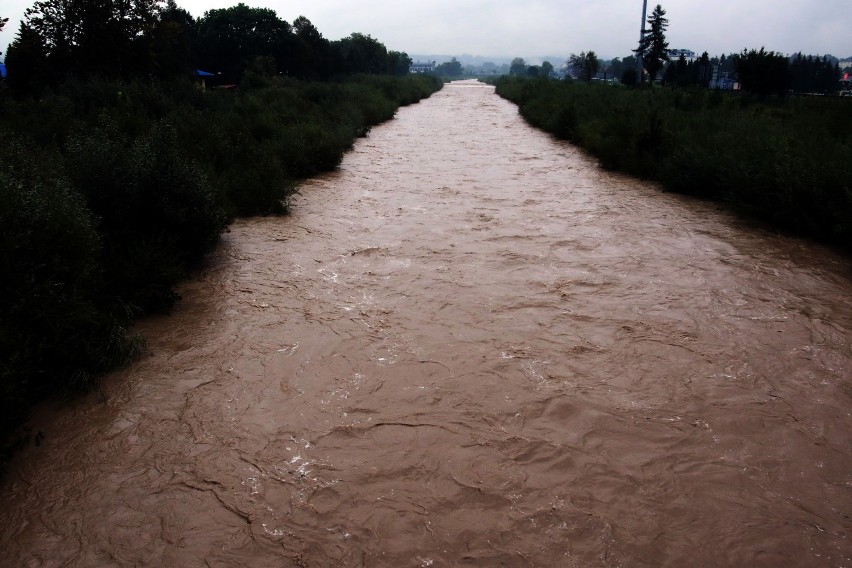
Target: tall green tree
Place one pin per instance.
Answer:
(399, 63)
(518, 67)
(703, 70)
(363, 54)
(27, 70)
(585, 66)
(452, 68)
(627, 73)
(678, 72)
(172, 42)
(814, 74)
(228, 40)
(309, 55)
(653, 48)
(94, 37)
(547, 69)
(763, 72)
(614, 68)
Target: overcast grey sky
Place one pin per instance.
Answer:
(555, 27)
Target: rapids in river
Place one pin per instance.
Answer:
(469, 345)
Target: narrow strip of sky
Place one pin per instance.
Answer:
(556, 27)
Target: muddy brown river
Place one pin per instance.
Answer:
(468, 346)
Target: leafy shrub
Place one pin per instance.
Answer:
(156, 211)
(55, 333)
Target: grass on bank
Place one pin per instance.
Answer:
(785, 161)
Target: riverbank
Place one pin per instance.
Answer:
(783, 162)
(111, 193)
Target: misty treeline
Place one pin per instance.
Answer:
(119, 172)
(784, 161)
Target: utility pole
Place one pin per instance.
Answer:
(639, 65)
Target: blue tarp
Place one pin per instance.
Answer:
(2, 70)
(201, 73)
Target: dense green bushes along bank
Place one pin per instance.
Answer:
(110, 193)
(785, 161)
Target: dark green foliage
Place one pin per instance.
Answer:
(452, 68)
(518, 68)
(618, 67)
(408, 91)
(630, 77)
(90, 38)
(763, 72)
(28, 72)
(55, 333)
(585, 66)
(565, 123)
(133, 39)
(810, 74)
(781, 161)
(362, 54)
(170, 43)
(309, 55)
(683, 73)
(157, 212)
(228, 40)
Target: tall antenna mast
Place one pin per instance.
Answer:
(639, 64)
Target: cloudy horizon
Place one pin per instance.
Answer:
(502, 29)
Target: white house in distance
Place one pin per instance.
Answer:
(422, 67)
(688, 54)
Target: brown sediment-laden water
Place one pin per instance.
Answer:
(468, 346)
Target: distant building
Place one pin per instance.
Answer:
(720, 80)
(421, 67)
(688, 54)
(201, 77)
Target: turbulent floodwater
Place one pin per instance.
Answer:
(468, 346)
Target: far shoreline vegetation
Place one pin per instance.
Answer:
(122, 165)
(781, 161)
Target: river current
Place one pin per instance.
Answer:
(468, 346)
